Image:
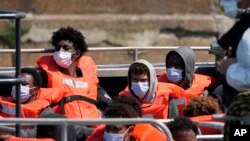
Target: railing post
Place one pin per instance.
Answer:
(135, 54)
(64, 133)
(18, 71)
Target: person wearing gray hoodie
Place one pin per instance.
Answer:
(153, 95)
(180, 70)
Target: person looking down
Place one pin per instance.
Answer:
(73, 72)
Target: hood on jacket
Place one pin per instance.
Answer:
(149, 97)
(238, 74)
(188, 58)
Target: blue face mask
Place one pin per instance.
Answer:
(140, 89)
(108, 136)
(230, 7)
(174, 75)
(113, 136)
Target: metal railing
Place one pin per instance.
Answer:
(65, 122)
(114, 70)
(136, 50)
(209, 137)
(17, 16)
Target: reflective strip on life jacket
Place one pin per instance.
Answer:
(76, 84)
(11, 111)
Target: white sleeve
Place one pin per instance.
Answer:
(238, 77)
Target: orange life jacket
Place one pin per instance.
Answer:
(159, 108)
(146, 132)
(141, 132)
(206, 130)
(75, 88)
(29, 139)
(45, 97)
(200, 82)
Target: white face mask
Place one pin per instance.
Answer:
(24, 93)
(63, 58)
(230, 7)
(140, 88)
(174, 75)
(114, 136)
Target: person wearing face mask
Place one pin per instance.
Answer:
(154, 96)
(125, 107)
(229, 42)
(73, 72)
(33, 98)
(180, 69)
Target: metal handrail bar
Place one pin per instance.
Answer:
(214, 125)
(65, 122)
(209, 137)
(50, 50)
(12, 80)
(242, 119)
(4, 14)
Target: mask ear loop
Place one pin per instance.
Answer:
(36, 89)
(129, 128)
(75, 55)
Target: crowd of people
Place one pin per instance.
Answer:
(70, 89)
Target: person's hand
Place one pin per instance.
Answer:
(224, 63)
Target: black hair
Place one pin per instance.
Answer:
(71, 34)
(123, 107)
(36, 75)
(182, 123)
(138, 69)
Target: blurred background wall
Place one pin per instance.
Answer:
(120, 23)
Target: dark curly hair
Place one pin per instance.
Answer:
(71, 34)
(201, 105)
(182, 123)
(138, 69)
(36, 75)
(125, 106)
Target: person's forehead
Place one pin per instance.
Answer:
(144, 75)
(174, 56)
(186, 135)
(28, 78)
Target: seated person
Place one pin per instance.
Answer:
(154, 96)
(183, 129)
(180, 68)
(125, 107)
(201, 105)
(74, 72)
(201, 109)
(32, 96)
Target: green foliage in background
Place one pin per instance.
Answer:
(7, 34)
